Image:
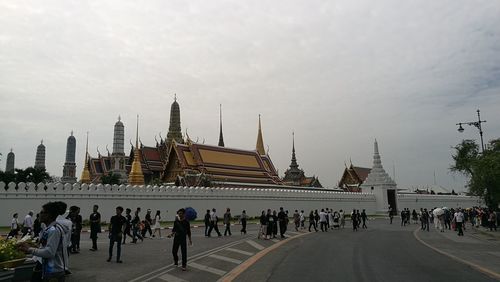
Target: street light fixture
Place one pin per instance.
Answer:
(476, 124)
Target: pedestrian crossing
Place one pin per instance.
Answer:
(212, 266)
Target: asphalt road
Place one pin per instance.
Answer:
(381, 253)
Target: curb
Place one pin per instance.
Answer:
(479, 268)
(233, 274)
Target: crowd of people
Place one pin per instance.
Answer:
(58, 232)
(452, 219)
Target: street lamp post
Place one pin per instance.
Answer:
(476, 124)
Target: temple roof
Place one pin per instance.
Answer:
(227, 164)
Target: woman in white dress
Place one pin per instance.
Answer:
(157, 224)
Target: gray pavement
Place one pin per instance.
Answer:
(383, 252)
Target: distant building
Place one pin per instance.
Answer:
(353, 177)
(69, 168)
(40, 156)
(294, 176)
(10, 162)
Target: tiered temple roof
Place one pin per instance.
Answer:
(353, 177)
(295, 176)
(198, 164)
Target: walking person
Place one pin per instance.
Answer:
(322, 221)
(403, 217)
(95, 226)
(459, 219)
(14, 227)
(391, 214)
(316, 217)
(128, 225)
(243, 221)
(282, 219)
(214, 219)
(312, 222)
(364, 217)
(52, 251)
(492, 220)
(148, 221)
(66, 227)
(180, 231)
(275, 224)
(270, 224)
(207, 222)
(302, 219)
(37, 226)
(342, 218)
(116, 228)
(354, 219)
(296, 220)
(336, 219)
(27, 224)
(76, 229)
(136, 223)
(263, 226)
(227, 222)
(157, 225)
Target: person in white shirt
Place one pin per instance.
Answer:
(302, 219)
(14, 227)
(28, 223)
(322, 220)
(459, 220)
(213, 223)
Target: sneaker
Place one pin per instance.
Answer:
(108, 260)
(119, 261)
(183, 268)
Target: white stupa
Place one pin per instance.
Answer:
(381, 185)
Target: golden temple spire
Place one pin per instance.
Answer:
(260, 141)
(85, 173)
(136, 177)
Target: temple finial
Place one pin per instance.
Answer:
(221, 137)
(293, 164)
(137, 133)
(260, 141)
(175, 97)
(71, 132)
(119, 118)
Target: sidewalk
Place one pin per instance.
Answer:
(478, 248)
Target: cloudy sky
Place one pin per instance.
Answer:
(338, 73)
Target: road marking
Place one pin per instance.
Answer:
(158, 272)
(236, 261)
(207, 268)
(239, 251)
(170, 278)
(249, 262)
(275, 240)
(255, 245)
(479, 268)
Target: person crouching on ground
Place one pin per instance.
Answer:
(180, 231)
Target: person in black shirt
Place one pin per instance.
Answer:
(136, 226)
(128, 225)
(116, 227)
(282, 222)
(95, 227)
(180, 230)
(76, 228)
(207, 222)
(364, 217)
(148, 221)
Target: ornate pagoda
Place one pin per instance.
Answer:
(294, 176)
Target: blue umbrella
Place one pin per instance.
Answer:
(190, 213)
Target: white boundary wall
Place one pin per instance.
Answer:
(23, 197)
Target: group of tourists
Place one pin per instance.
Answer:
(451, 219)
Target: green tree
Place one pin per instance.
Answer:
(29, 174)
(483, 170)
(110, 178)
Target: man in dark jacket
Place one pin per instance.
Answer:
(95, 227)
(180, 231)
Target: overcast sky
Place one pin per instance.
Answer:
(338, 73)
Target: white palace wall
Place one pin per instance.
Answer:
(23, 197)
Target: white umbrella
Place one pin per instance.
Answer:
(437, 212)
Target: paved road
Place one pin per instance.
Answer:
(382, 253)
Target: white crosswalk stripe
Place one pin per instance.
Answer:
(255, 245)
(239, 251)
(207, 268)
(236, 261)
(170, 278)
